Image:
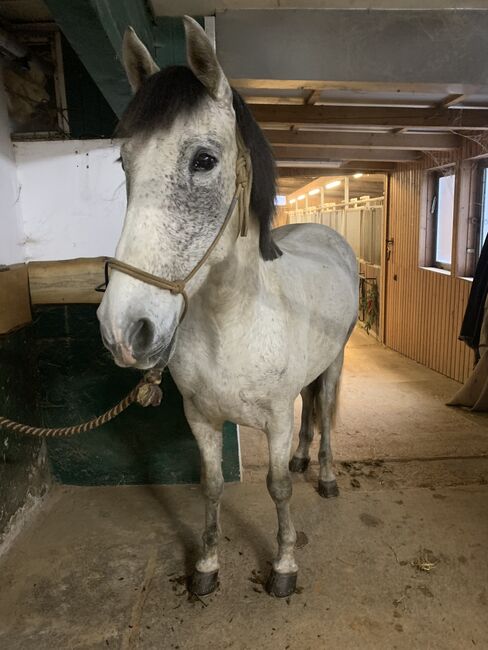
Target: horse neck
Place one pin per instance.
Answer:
(233, 284)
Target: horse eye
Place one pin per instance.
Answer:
(203, 162)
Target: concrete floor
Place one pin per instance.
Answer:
(397, 561)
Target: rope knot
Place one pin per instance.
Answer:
(149, 392)
(177, 287)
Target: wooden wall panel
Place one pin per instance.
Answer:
(66, 281)
(424, 308)
(15, 309)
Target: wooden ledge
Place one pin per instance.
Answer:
(66, 281)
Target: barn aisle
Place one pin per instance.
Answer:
(390, 408)
(398, 561)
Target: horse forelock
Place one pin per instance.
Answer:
(175, 91)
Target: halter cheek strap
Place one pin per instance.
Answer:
(241, 200)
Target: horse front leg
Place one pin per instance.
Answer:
(209, 438)
(283, 578)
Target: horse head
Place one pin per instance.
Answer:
(179, 152)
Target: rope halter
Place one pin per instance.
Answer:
(241, 200)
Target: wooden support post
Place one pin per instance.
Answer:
(383, 288)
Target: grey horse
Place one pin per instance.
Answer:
(267, 312)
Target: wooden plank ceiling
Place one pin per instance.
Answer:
(336, 129)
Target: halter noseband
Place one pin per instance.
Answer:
(241, 199)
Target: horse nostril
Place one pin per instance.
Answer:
(141, 335)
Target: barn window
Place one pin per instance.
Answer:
(442, 210)
(437, 218)
(483, 205)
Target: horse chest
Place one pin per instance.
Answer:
(233, 380)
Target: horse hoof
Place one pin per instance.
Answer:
(328, 489)
(298, 464)
(281, 585)
(202, 584)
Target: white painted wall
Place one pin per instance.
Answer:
(10, 216)
(72, 198)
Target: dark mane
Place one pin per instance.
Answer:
(176, 90)
(263, 189)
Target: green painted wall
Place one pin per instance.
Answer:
(93, 41)
(169, 41)
(89, 113)
(80, 380)
(24, 473)
(95, 29)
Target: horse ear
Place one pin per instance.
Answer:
(138, 63)
(202, 60)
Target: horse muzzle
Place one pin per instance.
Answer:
(138, 345)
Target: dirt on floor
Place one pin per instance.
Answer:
(105, 567)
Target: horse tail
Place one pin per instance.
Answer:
(334, 408)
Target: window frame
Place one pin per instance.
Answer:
(468, 194)
(427, 224)
(437, 174)
(482, 167)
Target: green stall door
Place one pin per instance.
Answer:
(79, 380)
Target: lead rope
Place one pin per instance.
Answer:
(146, 393)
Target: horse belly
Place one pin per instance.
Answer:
(329, 299)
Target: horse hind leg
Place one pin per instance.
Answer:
(301, 458)
(326, 405)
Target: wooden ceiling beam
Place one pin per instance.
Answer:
(424, 142)
(350, 168)
(313, 98)
(367, 184)
(321, 153)
(362, 86)
(403, 118)
(371, 102)
(273, 99)
(370, 166)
